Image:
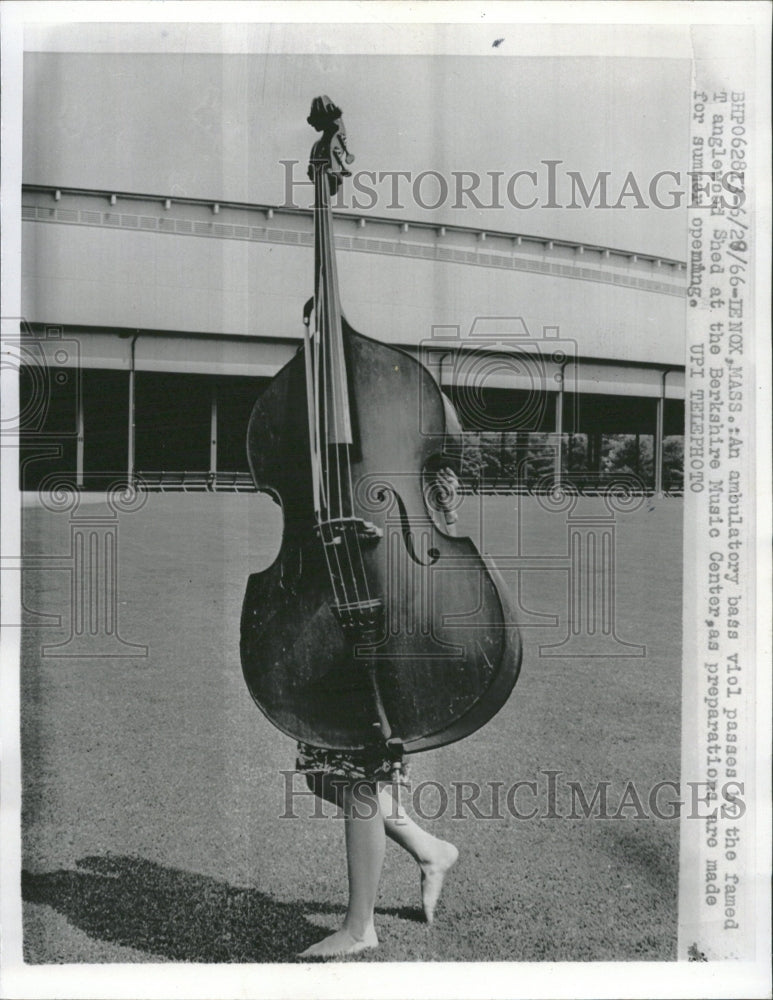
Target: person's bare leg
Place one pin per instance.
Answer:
(435, 857)
(365, 843)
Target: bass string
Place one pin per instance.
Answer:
(327, 313)
(337, 576)
(334, 369)
(313, 420)
(334, 314)
(313, 389)
(347, 446)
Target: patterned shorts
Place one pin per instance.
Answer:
(353, 765)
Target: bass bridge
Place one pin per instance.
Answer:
(360, 618)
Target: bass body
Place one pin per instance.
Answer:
(435, 629)
(374, 626)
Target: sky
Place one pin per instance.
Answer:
(218, 125)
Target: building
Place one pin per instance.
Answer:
(152, 318)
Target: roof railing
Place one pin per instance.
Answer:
(357, 219)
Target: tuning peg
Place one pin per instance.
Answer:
(348, 157)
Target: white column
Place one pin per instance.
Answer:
(659, 426)
(213, 432)
(79, 441)
(557, 468)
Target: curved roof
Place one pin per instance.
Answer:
(106, 260)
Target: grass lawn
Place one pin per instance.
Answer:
(152, 786)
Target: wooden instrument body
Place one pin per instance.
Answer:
(445, 651)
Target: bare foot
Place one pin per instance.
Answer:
(341, 943)
(432, 875)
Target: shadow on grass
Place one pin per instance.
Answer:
(178, 915)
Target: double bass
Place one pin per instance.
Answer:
(374, 624)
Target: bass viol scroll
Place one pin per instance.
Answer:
(374, 624)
